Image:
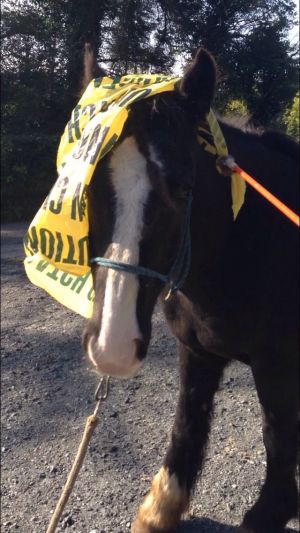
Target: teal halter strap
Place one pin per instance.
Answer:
(180, 268)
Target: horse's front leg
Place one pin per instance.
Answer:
(169, 496)
(277, 387)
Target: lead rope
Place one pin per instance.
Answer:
(91, 423)
(182, 263)
(212, 140)
(229, 163)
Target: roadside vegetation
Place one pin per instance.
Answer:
(42, 44)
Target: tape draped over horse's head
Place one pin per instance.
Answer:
(137, 207)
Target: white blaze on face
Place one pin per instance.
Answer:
(114, 352)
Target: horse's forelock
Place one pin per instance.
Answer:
(171, 105)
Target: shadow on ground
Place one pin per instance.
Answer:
(204, 525)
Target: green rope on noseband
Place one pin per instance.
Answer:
(180, 268)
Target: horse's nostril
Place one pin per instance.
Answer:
(89, 331)
(85, 339)
(141, 349)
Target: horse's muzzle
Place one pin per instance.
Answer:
(122, 362)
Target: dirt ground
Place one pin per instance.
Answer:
(47, 392)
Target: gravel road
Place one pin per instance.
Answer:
(47, 392)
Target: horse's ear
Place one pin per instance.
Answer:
(199, 81)
(91, 68)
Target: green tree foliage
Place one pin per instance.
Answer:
(42, 45)
(291, 118)
(249, 41)
(266, 76)
(137, 37)
(236, 108)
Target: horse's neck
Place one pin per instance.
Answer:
(220, 244)
(211, 213)
(235, 254)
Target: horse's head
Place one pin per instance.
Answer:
(137, 207)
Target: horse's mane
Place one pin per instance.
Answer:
(274, 140)
(281, 142)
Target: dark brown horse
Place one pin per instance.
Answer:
(238, 294)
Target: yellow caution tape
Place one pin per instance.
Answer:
(218, 147)
(56, 244)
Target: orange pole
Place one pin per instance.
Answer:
(269, 196)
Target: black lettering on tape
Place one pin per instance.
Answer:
(91, 295)
(92, 143)
(80, 282)
(80, 148)
(113, 83)
(126, 80)
(89, 109)
(95, 144)
(31, 240)
(71, 253)
(59, 247)
(42, 265)
(83, 245)
(78, 205)
(97, 82)
(56, 209)
(108, 146)
(66, 279)
(73, 125)
(98, 146)
(103, 105)
(134, 96)
(47, 241)
(53, 274)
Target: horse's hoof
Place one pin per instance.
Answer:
(163, 506)
(139, 527)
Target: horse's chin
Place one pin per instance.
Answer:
(124, 364)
